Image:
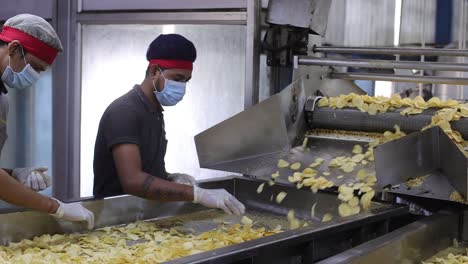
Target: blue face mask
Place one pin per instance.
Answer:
(172, 92)
(20, 80)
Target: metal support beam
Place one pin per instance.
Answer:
(41, 8)
(125, 5)
(392, 51)
(66, 103)
(399, 78)
(382, 64)
(252, 56)
(223, 18)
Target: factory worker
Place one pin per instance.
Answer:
(28, 46)
(131, 140)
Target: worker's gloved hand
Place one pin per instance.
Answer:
(218, 198)
(182, 179)
(74, 213)
(35, 178)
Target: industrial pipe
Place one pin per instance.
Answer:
(392, 51)
(381, 64)
(399, 78)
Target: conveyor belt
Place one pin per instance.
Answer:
(316, 241)
(354, 120)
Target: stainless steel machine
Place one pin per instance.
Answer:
(404, 225)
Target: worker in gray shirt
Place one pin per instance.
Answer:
(28, 46)
(131, 141)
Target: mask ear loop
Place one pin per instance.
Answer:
(154, 84)
(163, 77)
(24, 56)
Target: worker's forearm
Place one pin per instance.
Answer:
(15, 193)
(154, 188)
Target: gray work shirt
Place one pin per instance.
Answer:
(130, 119)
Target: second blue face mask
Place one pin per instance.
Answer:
(20, 80)
(172, 93)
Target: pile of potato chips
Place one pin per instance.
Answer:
(450, 110)
(450, 259)
(140, 242)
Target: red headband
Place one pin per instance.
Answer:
(171, 64)
(30, 43)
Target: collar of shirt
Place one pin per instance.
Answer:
(151, 108)
(3, 88)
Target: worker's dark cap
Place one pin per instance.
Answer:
(172, 51)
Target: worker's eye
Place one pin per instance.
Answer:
(182, 80)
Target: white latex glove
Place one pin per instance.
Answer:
(182, 178)
(74, 213)
(35, 178)
(218, 198)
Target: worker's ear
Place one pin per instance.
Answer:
(154, 70)
(14, 47)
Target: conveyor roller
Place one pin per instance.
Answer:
(354, 120)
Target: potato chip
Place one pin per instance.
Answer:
(282, 163)
(348, 167)
(327, 217)
(304, 143)
(434, 102)
(297, 176)
(420, 103)
(280, 197)
(340, 177)
(361, 175)
(456, 197)
(309, 181)
(344, 210)
(275, 175)
(260, 188)
(341, 102)
(345, 196)
(463, 109)
(353, 202)
(355, 210)
(366, 199)
(323, 102)
(278, 228)
(357, 149)
(317, 162)
(271, 182)
(312, 210)
(411, 111)
(309, 172)
(357, 158)
(449, 103)
(294, 223)
(373, 109)
(326, 173)
(295, 166)
(246, 221)
(365, 189)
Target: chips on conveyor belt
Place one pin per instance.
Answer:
(450, 110)
(456, 254)
(140, 242)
